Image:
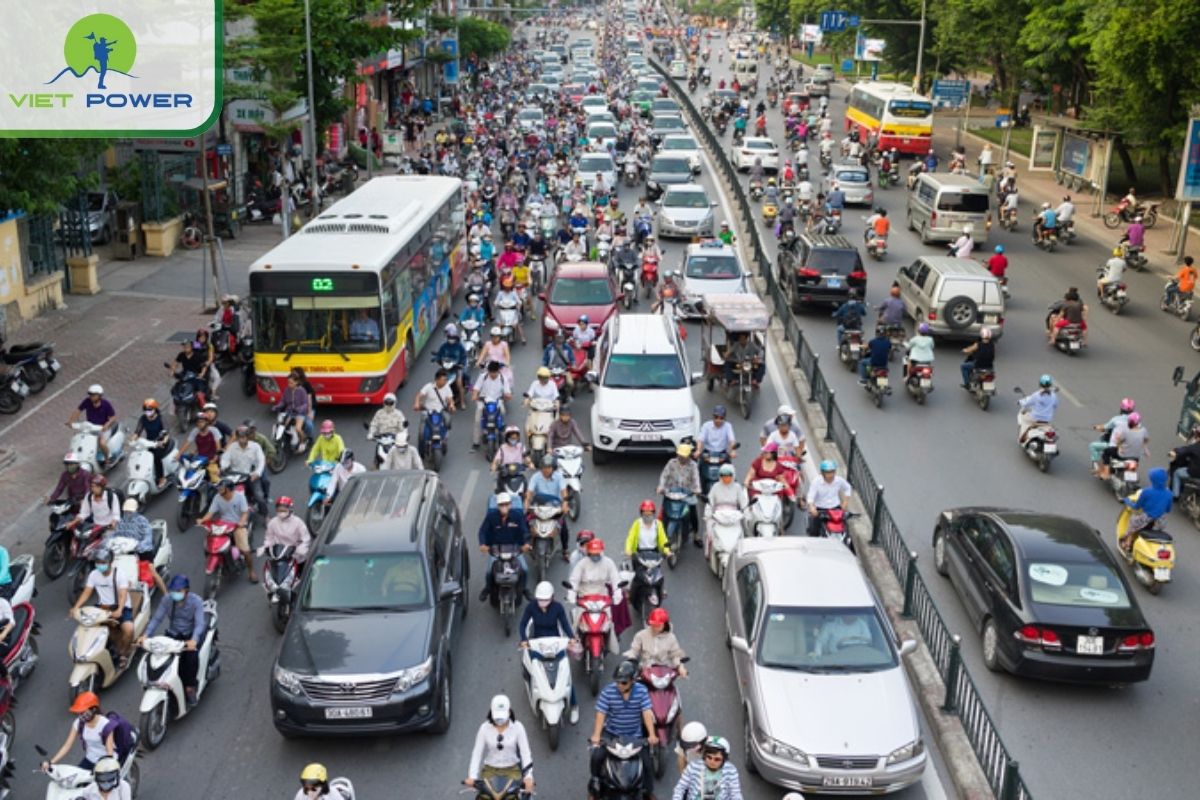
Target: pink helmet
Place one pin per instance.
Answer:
(327, 426)
(1134, 419)
(1127, 405)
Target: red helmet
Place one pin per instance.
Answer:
(647, 505)
(595, 546)
(99, 480)
(284, 500)
(584, 536)
(658, 616)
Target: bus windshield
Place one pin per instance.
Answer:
(329, 323)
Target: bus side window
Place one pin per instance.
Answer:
(401, 298)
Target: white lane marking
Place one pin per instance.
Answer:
(1074, 400)
(39, 406)
(469, 487)
(931, 782)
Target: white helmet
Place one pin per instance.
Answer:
(495, 331)
(544, 591)
(785, 409)
(501, 707)
(401, 440)
(95, 388)
(693, 733)
(390, 397)
(968, 228)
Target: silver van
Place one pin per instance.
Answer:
(955, 296)
(941, 203)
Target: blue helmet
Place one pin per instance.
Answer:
(1045, 381)
(719, 411)
(828, 466)
(999, 248)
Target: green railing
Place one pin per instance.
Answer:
(962, 697)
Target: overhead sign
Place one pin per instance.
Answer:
(450, 68)
(1188, 189)
(834, 21)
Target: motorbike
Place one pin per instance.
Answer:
(764, 516)
(710, 469)
(506, 577)
(726, 531)
(1179, 304)
(1040, 441)
(878, 385)
(1009, 219)
(491, 421)
(470, 337)
(58, 551)
(85, 444)
(791, 478)
(511, 478)
(22, 586)
(595, 624)
(631, 174)
(187, 398)
(68, 782)
(833, 222)
(1151, 556)
(140, 483)
(649, 273)
(545, 522)
(13, 390)
(22, 656)
(831, 524)
(286, 440)
(1123, 215)
(850, 348)
(756, 190)
(163, 699)
(982, 386)
(320, 493)
(497, 787)
(435, 434)
(603, 246)
(508, 315)
(191, 478)
(570, 464)
(384, 442)
(677, 519)
(1069, 339)
(95, 663)
(1066, 231)
(537, 427)
(1115, 295)
(659, 680)
(548, 682)
(769, 212)
(621, 772)
(642, 227)
(877, 247)
(36, 360)
(624, 261)
(281, 578)
(919, 381)
(1135, 257)
(86, 540)
(647, 581)
(221, 556)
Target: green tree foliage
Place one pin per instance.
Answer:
(773, 14)
(39, 175)
(973, 33)
(481, 38)
(1058, 48)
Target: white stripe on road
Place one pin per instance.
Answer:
(469, 487)
(4, 431)
(1063, 391)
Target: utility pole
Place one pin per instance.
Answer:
(920, 50)
(312, 112)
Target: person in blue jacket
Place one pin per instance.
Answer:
(1149, 506)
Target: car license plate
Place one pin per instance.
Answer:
(1074, 345)
(1049, 447)
(1131, 475)
(324, 398)
(846, 780)
(646, 437)
(990, 319)
(1162, 573)
(351, 712)
(835, 283)
(989, 386)
(1089, 645)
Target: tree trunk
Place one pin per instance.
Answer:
(1164, 172)
(1126, 163)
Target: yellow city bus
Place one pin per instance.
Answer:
(894, 114)
(356, 293)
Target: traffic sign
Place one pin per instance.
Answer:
(833, 21)
(950, 92)
(853, 20)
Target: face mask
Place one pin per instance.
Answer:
(594, 557)
(500, 720)
(647, 518)
(103, 567)
(177, 596)
(283, 514)
(88, 715)
(543, 604)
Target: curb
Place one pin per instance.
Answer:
(960, 761)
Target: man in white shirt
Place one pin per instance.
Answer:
(542, 387)
(964, 244)
(489, 386)
(112, 594)
(830, 491)
(245, 456)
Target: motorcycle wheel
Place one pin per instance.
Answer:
(658, 756)
(1150, 218)
(1194, 339)
(212, 582)
(435, 459)
(278, 462)
(279, 616)
(628, 300)
(185, 515)
(314, 516)
(35, 379)
(134, 778)
(10, 402)
(552, 732)
(744, 398)
(1154, 587)
(1043, 462)
(877, 398)
(489, 451)
(153, 725)
(594, 678)
(573, 505)
(54, 559)
(789, 512)
(1113, 220)
(983, 401)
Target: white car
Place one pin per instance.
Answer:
(682, 144)
(600, 135)
(595, 115)
(594, 101)
(709, 267)
(684, 210)
(678, 69)
(643, 388)
(530, 119)
(853, 180)
(755, 147)
(591, 164)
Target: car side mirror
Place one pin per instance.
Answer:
(451, 590)
(713, 204)
(542, 296)
(908, 646)
(590, 376)
(739, 644)
(1177, 376)
(697, 377)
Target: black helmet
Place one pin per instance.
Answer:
(549, 461)
(347, 456)
(626, 671)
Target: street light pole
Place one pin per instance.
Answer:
(312, 109)
(921, 48)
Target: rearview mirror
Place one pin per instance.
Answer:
(697, 377)
(451, 590)
(907, 646)
(739, 644)
(1177, 376)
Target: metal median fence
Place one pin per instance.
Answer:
(962, 697)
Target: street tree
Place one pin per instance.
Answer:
(38, 176)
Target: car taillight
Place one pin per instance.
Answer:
(1033, 635)
(932, 219)
(1137, 641)
(1050, 640)
(808, 272)
(932, 316)
(858, 275)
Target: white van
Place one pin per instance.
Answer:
(941, 203)
(745, 70)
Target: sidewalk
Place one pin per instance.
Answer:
(119, 339)
(1039, 187)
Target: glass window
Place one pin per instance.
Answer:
(963, 202)
(828, 261)
(1000, 558)
(922, 272)
(853, 176)
(1086, 584)
(367, 582)
(825, 640)
(750, 591)
(638, 371)
(340, 323)
(581, 292)
(712, 267)
(672, 165)
(685, 200)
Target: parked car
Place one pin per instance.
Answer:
(826, 706)
(584, 287)
(1045, 594)
(368, 647)
(685, 210)
(102, 215)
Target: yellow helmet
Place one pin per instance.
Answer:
(1117, 252)
(683, 450)
(315, 773)
(543, 372)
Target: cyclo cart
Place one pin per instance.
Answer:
(726, 318)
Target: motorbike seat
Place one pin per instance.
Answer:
(1154, 535)
(17, 573)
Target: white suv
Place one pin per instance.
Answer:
(643, 388)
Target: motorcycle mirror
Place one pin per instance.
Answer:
(566, 584)
(1177, 376)
(366, 425)
(40, 750)
(1017, 390)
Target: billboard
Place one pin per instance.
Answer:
(1188, 189)
(869, 49)
(1075, 151)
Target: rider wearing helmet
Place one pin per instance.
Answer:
(548, 487)
(493, 756)
(919, 348)
(150, 426)
(107, 782)
(111, 588)
(328, 446)
(100, 506)
(691, 739)
(511, 450)
(716, 435)
(346, 467)
(490, 386)
(92, 728)
(623, 711)
(314, 785)
(711, 768)
(1113, 272)
(656, 644)
(453, 351)
(980, 355)
(1117, 421)
(73, 482)
(545, 617)
(646, 532)
(287, 529)
(389, 419)
(96, 410)
(230, 507)
(828, 492)
(964, 245)
(1039, 407)
(998, 263)
(725, 234)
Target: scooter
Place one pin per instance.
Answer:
(625, 264)
(384, 442)
(492, 422)
(22, 657)
(281, 577)
(68, 782)
(286, 440)
(21, 588)
(1151, 556)
(1040, 441)
(850, 348)
(56, 553)
(919, 381)
(194, 490)
(537, 427)
(1122, 477)
(621, 773)
(508, 315)
(646, 579)
(724, 535)
(320, 491)
(649, 273)
(221, 556)
(765, 514)
(548, 682)
(140, 484)
(1115, 295)
(1180, 303)
(595, 626)
(659, 680)
(126, 561)
(85, 444)
(470, 338)
(831, 524)
(1069, 339)
(545, 521)
(13, 390)
(756, 190)
(8, 729)
(570, 464)
(877, 247)
(506, 576)
(770, 210)
(164, 699)
(579, 370)
(1135, 257)
(96, 666)
(982, 386)
(186, 399)
(677, 519)
(86, 540)
(35, 364)
(435, 431)
(710, 469)
(791, 479)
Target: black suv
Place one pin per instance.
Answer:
(819, 269)
(367, 649)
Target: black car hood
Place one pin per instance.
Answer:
(324, 643)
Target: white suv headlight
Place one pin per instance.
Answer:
(906, 753)
(608, 422)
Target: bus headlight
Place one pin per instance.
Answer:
(371, 385)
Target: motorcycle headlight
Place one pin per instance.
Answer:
(414, 675)
(906, 753)
(288, 681)
(781, 750)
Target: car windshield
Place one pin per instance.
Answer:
(680, 144)
(581, 292)
(963, 203)
(590, 165)
(827, 261)
(712, 267)
(1087, 584)
(825, 640)
(675, 166)
(666, 104)
(95, 201)
(852, 175)
(685, 200)
(752, 144)
(668, 123)
(366, 582)
(638, 371)
(607, 131)
(530, 113)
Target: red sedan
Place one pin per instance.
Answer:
(584, 287)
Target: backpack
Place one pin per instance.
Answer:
(122, 731)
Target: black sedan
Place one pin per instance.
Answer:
(1045, 595)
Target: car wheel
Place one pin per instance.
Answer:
(600, 457)
(991, 646)
(441, 723)
(960, 312)
(751, 767)
(939, 553)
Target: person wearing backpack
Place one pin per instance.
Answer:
(100, 734)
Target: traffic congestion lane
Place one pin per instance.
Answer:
(950, 453)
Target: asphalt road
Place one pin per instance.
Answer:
(228, 747)
(949, 453)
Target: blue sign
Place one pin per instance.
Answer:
(1189, 171)
(848, 66)
(833, 21)
(224, 149)
(1074, 159)
(853, 20)
(1003, 120)
(450, 68)
(944, 89)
